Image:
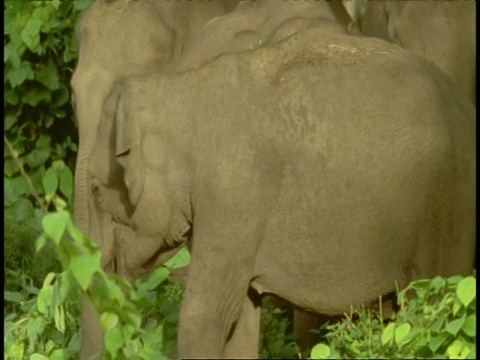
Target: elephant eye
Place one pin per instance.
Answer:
(123, 153)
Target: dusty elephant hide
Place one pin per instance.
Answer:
(256, 24)
(442, 31)
(285, 189)
(117, 39)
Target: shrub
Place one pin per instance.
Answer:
(437, 319)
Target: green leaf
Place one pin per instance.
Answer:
(11, 97)
(54, 225)
(83, 268)
(9, 121)
(39, 357)
(469, 327)
(37, 157)
(179, 260)
(35, 329)
(437, 341)
(22, 210)
(466, 290)
(109, 320)
(42, 14)
(158, 276)
(15, 297)
(50, 182)
(320, 351)
(36, 93)
(16, 76)
(401, 332)
(455, 349)
(47, 75)
(387, 334)
(13, 56)
(59, 317)
(81, 4)
(66, 183)
(45, 296)
(114, 341)
(454, 326)
(60, 96)
(30, 34)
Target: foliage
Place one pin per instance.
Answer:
(437, 319)
(278, 340)
(39, 56)
(49, 325)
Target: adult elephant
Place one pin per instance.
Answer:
(442, 31)
(279, 187)
(116, 39)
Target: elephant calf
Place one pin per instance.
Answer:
(280, 187)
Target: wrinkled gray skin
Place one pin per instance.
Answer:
(442, 31)
(258, 23)
(116, 39)
(279, 188)
(251, 25)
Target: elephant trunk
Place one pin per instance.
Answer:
(91, 89)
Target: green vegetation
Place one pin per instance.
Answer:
(437, 319)
(42, 289)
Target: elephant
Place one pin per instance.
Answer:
(261, 23)
(442, 31)
(277, 186)
(256, 23)
(116, 39)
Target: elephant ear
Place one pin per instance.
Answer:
(123, 142)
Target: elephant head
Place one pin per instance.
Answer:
(441, 31)
(258, 23)
(117, 39)
(154, 171)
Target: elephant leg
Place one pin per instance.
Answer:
(245, 339)
(92, 333)
(303, 322)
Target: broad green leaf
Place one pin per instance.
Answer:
(60, 96)
(11, 97)
(47, 75)
(13, 296)
(37, 157)
(35, 329)
(54, 225)
(401, 332)
(13, 56)
(81, 4)
(109, 320)
(114, 341)
(320, 351)
(16, 76)
(466, 290)
(470, 325)
(30, 34)
(42, 14)
(50, 182)
(387, 334)
(22, 210)
(9, 120)
(158, 276)
(454, 326)
(455, 349)
(35, 94)
(179, 260)
(66, 183)
(437, 341)
(83, 268)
